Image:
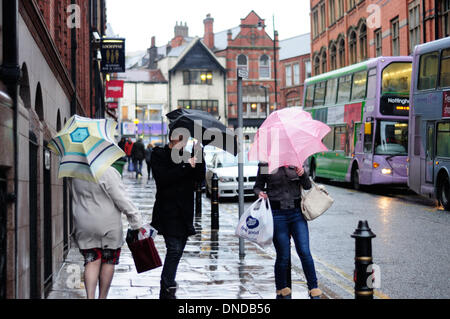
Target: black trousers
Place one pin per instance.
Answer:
(175, 247)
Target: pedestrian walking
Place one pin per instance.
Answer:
(121, 143)
(138, 156)
(173, 211)
(283, 189)
(97, 216)
(127, 149)
(148, 156)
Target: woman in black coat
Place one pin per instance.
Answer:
(173, 212)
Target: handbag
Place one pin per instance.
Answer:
(144, 252)
(315, 201)
(256, 224)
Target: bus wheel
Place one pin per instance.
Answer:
(444, 193)
(355, 178)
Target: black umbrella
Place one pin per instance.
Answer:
(213, 132)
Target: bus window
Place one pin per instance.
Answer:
(359, 85)
(331, 91)
(445, 69)
(319, 97)
(396, 78)
(428, 71)
(368, 137)
(443, 140)
(340, 136)
(345, 83)
(391, 138)
(328, 140)
(309, 95)
(372, 84)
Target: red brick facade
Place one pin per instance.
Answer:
(292, 95)
(345, 32)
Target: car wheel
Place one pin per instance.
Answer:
(444, 193)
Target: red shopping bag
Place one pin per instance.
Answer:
(144, 252)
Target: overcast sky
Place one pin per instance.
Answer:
(139, 20)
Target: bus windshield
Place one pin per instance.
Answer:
(392, 138)
(397, 78)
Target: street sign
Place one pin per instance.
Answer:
(113, 55)
(114, 89)
(242, 73)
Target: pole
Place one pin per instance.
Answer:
(275, 33)
(214, 202)
(198, 200)
(363, 259)
(241, 160)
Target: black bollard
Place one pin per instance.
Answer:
(214, 202)
(198, 200)
(363, 259)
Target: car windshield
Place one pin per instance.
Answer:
(228, 160)
(392, 138)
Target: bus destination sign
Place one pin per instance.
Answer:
(392, 105)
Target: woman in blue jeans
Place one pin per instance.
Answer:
(283, 189)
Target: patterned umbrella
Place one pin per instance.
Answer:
(86, 148)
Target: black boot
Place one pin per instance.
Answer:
(167, 292)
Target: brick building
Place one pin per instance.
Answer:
(295, 67)
(344, 32)
(48, 72)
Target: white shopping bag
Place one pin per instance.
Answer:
(256, 224)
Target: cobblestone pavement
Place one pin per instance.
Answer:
(209, 269)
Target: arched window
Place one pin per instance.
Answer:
(317, 65)
(363, 42)
(242, 62)
(24, 91)
(264, 67)
(324, 61)
(333, 56)
(38, 103)
(352, 47)
(342, 53)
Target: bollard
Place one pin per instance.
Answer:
(198, 200)
(214, 202)
(363, 258)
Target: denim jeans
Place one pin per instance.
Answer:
(287, 223)
(137, 166)
(175, 247)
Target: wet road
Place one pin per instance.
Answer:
(411, 245)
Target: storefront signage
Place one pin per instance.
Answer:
(113, 55)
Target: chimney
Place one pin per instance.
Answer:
(208, 37)
(181, 30)
(152, 55)
(229, 37)
(153, 42)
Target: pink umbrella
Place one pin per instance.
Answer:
(288, 137)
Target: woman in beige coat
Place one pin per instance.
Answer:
(97, 215)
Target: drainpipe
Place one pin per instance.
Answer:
(436, 20)
(10, 74)
(73, 45)
(424, 26)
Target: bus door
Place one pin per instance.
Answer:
(367, 162)
(429, 156)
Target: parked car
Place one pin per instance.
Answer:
(225, 166)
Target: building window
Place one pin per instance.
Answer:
(333, 57)
(296, 69)
(288, 75)
(308, 69)
(342, 53)
(341, 9)
(332, 11)
(363, 42)
(322, 18)
(445, 18)
(264, 67)
(395, 37)
(351, 4)
(378, 43)
(324, 62)
(197, 77)
(414, 25)
(124, 113)
(352, 47)
(315, 28)
(316, 65)
(242, 62)
(210, 106)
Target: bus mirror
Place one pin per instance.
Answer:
(368, 128)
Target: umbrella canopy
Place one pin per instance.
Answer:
(212, 131)
(86, 148)
(288, 137)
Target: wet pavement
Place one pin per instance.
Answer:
(209, 269)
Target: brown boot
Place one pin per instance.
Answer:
(284, 293)
(315, 293)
